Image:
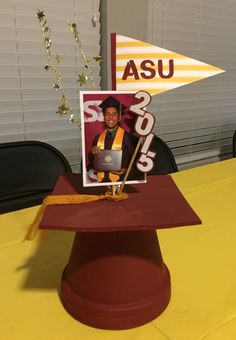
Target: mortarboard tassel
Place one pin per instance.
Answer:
(68, 199)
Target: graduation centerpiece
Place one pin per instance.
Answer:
(115, 277)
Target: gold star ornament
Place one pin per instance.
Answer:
(82, 79)
(59, 58)
(40, 14)
(97, 58)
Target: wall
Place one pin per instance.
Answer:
(128, 18)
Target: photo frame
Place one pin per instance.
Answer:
(114, 157)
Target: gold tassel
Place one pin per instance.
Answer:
(67, 199)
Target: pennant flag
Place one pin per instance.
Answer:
(137, 65)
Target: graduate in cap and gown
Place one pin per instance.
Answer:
(114, 137)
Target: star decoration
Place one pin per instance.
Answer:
(73, 119)
(48, 42)
(82, 79)
(59, 58)
(74, 29)
(75, 32)
(62, 109)
(97, 58)
(40, 14)
(56, 86)
(46, 29)
(73, 25)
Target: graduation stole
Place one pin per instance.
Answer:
(117, 145)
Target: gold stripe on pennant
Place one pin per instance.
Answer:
(132, 44)
(150, 55)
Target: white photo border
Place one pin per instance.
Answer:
(86, 182)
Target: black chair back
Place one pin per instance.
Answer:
(28, 173)
(164, 162)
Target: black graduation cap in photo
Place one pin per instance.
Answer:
(112, 102)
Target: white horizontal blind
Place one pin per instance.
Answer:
(28, 102)
(198, 120)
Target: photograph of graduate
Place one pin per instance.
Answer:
(109, 141)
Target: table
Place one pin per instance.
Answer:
(200, 259)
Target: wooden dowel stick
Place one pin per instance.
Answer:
(130, 164)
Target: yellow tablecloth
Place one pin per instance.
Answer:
(201, 260)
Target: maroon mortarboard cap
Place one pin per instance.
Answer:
(112, 102)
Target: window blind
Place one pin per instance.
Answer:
(28, 102)
(197, 120)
